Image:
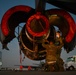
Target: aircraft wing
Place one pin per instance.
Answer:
(68, 5)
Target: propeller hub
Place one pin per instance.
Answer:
(37, 25)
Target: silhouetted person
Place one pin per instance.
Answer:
(53, 51)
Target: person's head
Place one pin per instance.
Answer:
(58, 34)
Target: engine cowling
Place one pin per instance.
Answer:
(35, 30)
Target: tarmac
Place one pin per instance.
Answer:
(36, 73)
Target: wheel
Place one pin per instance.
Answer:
(71, 68)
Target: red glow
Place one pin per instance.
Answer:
(21, 67)
(36, 16)
(7, 15)
(70, 21)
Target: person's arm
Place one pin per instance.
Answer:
(61, 42)
(44, 43)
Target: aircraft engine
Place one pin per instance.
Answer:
(38, 26)
(32, 34)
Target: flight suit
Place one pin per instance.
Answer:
(53, 51)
